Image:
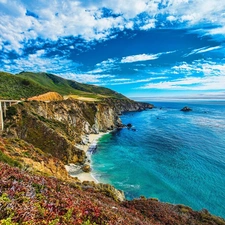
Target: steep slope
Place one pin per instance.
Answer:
(26, 198)
(56, 126)
(49, 96)
(27, 84)
(12, 87)
(67, 87)
(19, 153)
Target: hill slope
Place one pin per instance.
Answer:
(27, 84)
(13, 87)
(26, 198)
(67, 87)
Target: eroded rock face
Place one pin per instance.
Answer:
(56, 126)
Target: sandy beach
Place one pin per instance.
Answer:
(75, 170)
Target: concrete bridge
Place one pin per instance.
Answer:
(4, 104)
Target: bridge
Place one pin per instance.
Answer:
(4, 104)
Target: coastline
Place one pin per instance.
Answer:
(75, 170)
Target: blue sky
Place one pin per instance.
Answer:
(140, 48)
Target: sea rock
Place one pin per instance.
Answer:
(86, 168)
(129, 125)
(186, 109)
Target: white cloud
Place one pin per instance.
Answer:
(190, 83)
(86, 78)
(104, 66)
(200, 75)
(129, 9)
(58, 19)
(39, 63)
(123, 81)
(204, 67)
(143, 57)
(137, 58)
(120, 79)
(171, 18)
(203, 50)
(149, 24)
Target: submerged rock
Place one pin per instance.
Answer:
(186, 109)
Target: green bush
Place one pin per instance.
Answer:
(6, 159)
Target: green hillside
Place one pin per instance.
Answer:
(13, 87)
(28, 84)
(69, 87)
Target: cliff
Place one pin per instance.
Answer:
(56, 127)
(44, 135)
(39, 138)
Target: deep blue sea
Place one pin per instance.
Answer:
(177, 157)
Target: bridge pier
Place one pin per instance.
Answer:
(1, 117)
(3, 110)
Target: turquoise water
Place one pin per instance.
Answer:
(174, 156)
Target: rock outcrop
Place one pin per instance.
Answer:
(86, 168)
(186, 109)
(56, 126)
(49, 96)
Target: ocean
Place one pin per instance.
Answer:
(177, 157)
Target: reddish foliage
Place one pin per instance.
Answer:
(40, 200)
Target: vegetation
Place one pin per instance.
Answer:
(6, 159)
(28, 84)
(13, 87)
(35, 187)
(31, 199)
(69, 87)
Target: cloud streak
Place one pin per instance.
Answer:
(200, 75)
(203, 50)
(143, 57)
(138, 58)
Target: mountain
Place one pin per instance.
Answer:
(69, 87)
(28, 84)
(14, 87)
(41, 136)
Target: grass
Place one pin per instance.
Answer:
(69, 87)
(6, 159)
(12, 87)
(28, 84)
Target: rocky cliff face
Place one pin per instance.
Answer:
(127, 105)
(55, 127)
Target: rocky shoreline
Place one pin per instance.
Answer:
(78, 170)
(63, 128)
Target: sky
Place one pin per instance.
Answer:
(140, 48)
